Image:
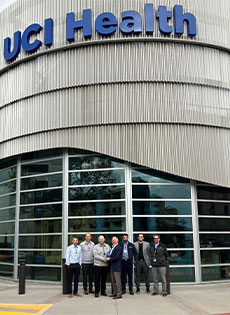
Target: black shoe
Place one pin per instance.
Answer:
(131, 292)
(104, 294)
(111, 295)
(154, 293)
(123, 291)
(96, 295)
(164, 295)
(117, 297)
(138, 290)
(147, 290)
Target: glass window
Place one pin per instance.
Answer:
(181, 257)
(41, 241)
(161, 192)
(94, 193)
(214, 240)
(97, 208)
(6, 241)
(214, 224)
(7, 174)
(162, 207)
(41, 211)
(108, 237)
(94, 178)
(171, 240)
(41, 155)
(7, 201)
(7, 228)
(7, 256)
(49, 195)
(162, 224)
(41, 182)
(6, 271)
(40, 257)
(7, 214)
(215, 273)
(97, 225)
(42, 167)
(49, 226)
(8, 187)
(215, 256)
(186, 274)
(213, 192)
(93, 162)
(213, 208)
(43, 273)
(153, 176)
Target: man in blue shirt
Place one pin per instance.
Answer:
(129, 257)
(73, 261)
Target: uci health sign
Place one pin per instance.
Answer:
(106, 24)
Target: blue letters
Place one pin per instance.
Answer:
(163, 16)
(72, 25)
(179, 19)
(30, 30)
(131, 22)
(106, 23)
(48, 36)
(11, 55)
(149, 19)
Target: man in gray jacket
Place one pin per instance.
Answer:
(143, 262)
(101, 266)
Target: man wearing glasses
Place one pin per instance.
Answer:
(73, 261)
(159, 261)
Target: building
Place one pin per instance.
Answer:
(116, 123)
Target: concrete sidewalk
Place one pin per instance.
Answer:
(189, 299)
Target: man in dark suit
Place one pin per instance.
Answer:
(129, 257)
(115, 259)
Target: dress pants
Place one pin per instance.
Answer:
(127, 269)
(141, 267)
(73, 270)
(100, 278)
(159, 271)
(116, 283)
(87, 270)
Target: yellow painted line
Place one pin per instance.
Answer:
(41, 308)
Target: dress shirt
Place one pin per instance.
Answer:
(73, 255)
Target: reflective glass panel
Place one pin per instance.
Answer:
(94, 178)
(6, 271)
(215, 273)
(49, 226)
(42, 196)
(7, 228)
(215, 257)
(8, 187)
(162, 224)
(212, 193)
(7, 214)
(41, 155)
(41, 257)
(6, 241)
(214, 240)
(94, 193)
(108, 237)
(215, 224)
(7, 201)
(43, 273)
(94, 225)
(7, 256)
(41, 211)
(93, 162)
(7, 174)
(153, 176)
(161, 207)
(97, 208)
(41, 182)
(171, 240)
(213, 208)
(161, 192)
(40, 241)
(181, 257)
(186, 274)
(42, 167)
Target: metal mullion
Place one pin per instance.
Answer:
(180, 249)
(82, 155)
(91, 201)
(216, 265)
(96, 185)
(9, 194)
(7, 249)
(7, 221)
(41, 219)
(214, 216)
(163, 232)
(39, 250)
(8, 167)
(166, 199)
(65, 198)
(213, 201)
(8, 181)
(162, 216)
(4, 235)
(43, 266)
(98, 217)
(128, 195)
(41, 175)
(159, 184)
(182, 266)
(5, 208)
(214, 248)
(41, 204)
(96, 170)
(99, 232)
(41, 189)
(40, 234)
(17, 215)
(214, 232)
(41, 160)
(7, 264)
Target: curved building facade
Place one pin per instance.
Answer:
(114, 117)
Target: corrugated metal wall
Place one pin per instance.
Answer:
(147, 100)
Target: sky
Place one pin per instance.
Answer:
(5, 3)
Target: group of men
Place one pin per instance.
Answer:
(97, 260)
